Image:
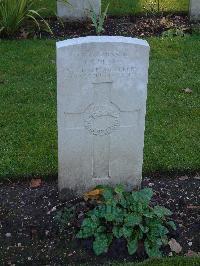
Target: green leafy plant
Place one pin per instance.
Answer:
(98, 20)
(127, 215)
(15, 14)
(176, 32)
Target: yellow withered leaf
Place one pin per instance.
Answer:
(93, 194)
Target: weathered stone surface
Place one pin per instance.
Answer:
(102, 90)
(77, 9)
(195, 10)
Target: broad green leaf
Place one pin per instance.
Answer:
(88, 222)
(144, 229)
(101, 211)
(119, 189)
(146, 193)
(110, 213)
(172, 224)
(162, 230)
(101, 229)
(119, 217)
(132, 246)
(108, 194)
(165, 240)
(148, 213)
(123, 202)
(117, 231)
(159, 242)
(85, 232)
(140, 234)
(132, 220)
(152, 250)
(161, 211)
(157, 229)
(143, 196)
(127, 231)
(101, 244)
(109, 217)
(95, 212)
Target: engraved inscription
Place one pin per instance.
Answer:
(101, 120)
(102, 65)
(101, 71)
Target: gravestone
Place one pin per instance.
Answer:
(195, 10)
(77, 9)
(102, 91)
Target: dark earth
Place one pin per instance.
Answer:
(131, 26)
(30, 234)
(126, 26)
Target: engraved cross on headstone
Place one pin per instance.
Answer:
(101, 118)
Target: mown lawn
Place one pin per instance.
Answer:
(28, 136)
(121, 7)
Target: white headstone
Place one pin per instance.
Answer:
(77, 9)
(102, 91)
(195, 10)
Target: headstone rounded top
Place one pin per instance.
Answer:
(102, 91)
(102, 39)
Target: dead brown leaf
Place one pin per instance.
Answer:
(93, 194)
(175, 246)
(35, 183)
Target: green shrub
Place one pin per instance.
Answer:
(15, 14)
(127, 215)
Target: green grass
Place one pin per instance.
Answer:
(121, 7)
(176, 261)
(28, 136)
(172, 124)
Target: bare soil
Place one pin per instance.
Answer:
(29, 234)
(141, 26)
